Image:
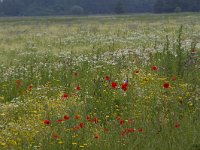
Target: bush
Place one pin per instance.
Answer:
(177, 10)
(76, 10)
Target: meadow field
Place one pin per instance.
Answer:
(100, 82)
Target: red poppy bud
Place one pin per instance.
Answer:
(177, 125)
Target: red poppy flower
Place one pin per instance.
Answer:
(96, 136)
(30, 87)
(173, 78)
(76, 127)
(106, 130)
(154, 68)
(77, 117)
(74, 95)
(47, 122)
(82, 125)
(65, 96)
(66, 117)
(78, 88)
(118, 118)
(123, 133)
(114, 84)
(177, 125)
(95, 120)
(130, 121)
(18, 83)
(88, 118)
(140, 130)
(107, 78)
(59, 120)
(55, 136)
(130, 130)
(124, 86)
(121, 122)
(166, 85)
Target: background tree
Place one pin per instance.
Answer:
(119, 8)
(76, 10)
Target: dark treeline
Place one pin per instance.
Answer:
(176, 6)
(78, 7)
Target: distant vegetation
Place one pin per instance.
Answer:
(176, 5)
(87, 7)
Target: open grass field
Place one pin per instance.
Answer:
(100, 82)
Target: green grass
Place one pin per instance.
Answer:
(44, 61)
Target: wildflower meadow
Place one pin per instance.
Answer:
(100, 82)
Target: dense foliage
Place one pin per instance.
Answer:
(64, 7)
